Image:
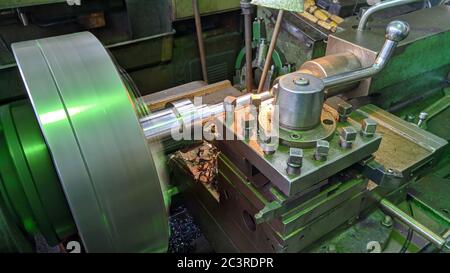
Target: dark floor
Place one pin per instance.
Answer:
(185, 235)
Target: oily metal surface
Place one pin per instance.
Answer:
(97, 144)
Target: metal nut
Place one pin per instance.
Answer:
(369, 127)
(344, 110)
(322, 149)
(347, 136)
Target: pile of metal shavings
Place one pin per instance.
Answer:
(183, 231)
(201, 163)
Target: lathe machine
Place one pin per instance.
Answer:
(345, 152)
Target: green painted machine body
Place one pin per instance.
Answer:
(421, 62)
(29, 185)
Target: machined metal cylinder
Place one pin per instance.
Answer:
(331, 65)
(183, 113)
(300, 99)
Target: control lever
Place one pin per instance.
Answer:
(396, 31)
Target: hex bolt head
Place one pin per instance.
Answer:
(368, 127)
(322, 149)
(347, 137)
(387, 221)
(295, 161)
(344, 110)
(422, 117)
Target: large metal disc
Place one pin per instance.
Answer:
(96, 142)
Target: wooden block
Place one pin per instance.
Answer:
(319, 14)
(311, 9)
(309, 17)
(326, 26)
(336, 19)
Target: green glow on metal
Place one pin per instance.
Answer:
(29, 185)
(58, 115)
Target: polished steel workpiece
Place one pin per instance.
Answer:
(97, 145)
(396, 31)
(425, 232)
(379, 7)
(200, 41)
(273, 43)
(300, 100)
(247, 12)
(159, 125)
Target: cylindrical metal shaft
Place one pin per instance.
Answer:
(201, 45)
(428, 234)
(273, 43)
(160, 125)
(247, 12)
